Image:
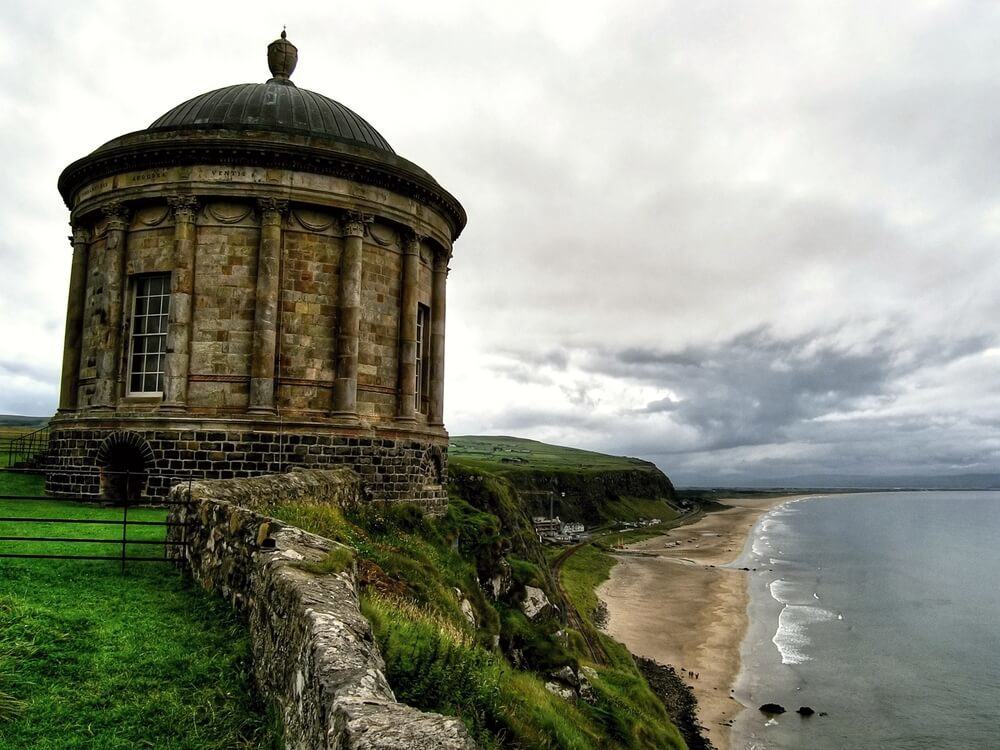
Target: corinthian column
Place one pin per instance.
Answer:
(345, 387)
(435, 416)
(178, 359)
(406, 408)
(265, 324)
(74, 321)
(109, 355)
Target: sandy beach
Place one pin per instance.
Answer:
(668, 599)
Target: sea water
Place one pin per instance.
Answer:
(880, 610)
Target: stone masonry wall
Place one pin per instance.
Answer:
(401, 470)
(313, 651)
(223, 309)
(309, 317)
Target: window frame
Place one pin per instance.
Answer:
(163, 315)
(421, 394)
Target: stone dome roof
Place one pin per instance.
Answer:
(275, 106)
(275, 125)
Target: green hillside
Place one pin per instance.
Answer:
(16, 420)
(576, 485)
(509, 455)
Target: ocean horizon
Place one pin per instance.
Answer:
(878, 611)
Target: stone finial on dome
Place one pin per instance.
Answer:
(282, 56)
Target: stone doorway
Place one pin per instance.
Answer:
(124, 460)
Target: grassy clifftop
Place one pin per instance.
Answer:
(510, 456)
(578, 485)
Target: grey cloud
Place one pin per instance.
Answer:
(658, 201)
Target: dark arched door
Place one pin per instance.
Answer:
(124, 471)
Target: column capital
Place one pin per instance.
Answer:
(411, 239)
(116, 213)
(355, 223)
(183, 207)
(80, 236)
(441, 260)
(272, 209)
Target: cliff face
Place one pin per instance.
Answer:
(593, 498)
(584, 486)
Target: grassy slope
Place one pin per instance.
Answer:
(577, 485)
(92, 659)
(435, 659)
(488, 453)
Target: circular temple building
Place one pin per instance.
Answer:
(258, 283)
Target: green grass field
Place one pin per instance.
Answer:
(91, 658)
(10, 431)
(508, 455)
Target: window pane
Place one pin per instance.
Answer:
(149, 328)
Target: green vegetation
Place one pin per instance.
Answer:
(90, 658)
(510, 455)
(423, 581)
(336, 560)
(574, 484)
(13, 427)
(582, 574)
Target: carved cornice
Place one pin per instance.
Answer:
(116, 214)
(183, 206)
(355, 222)
(188, 149)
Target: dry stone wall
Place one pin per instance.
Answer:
(313, 650)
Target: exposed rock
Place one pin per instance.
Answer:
(566, 675)
(676, 697)
(535, 604)
(586, 689)
(502, 581)
(313, 651)
(561, 690)
(772, 708)
(468, 611)
(600, 616)
(805, 711)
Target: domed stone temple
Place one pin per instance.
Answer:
(258, 283)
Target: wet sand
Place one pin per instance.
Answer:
(668, 599)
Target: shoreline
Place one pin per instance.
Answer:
(678, 604)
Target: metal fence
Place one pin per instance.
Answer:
(23, 449)
(118, 542)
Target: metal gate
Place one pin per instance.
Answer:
(116, 541)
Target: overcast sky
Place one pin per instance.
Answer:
(740, 239)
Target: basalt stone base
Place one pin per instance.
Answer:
(139, 461)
